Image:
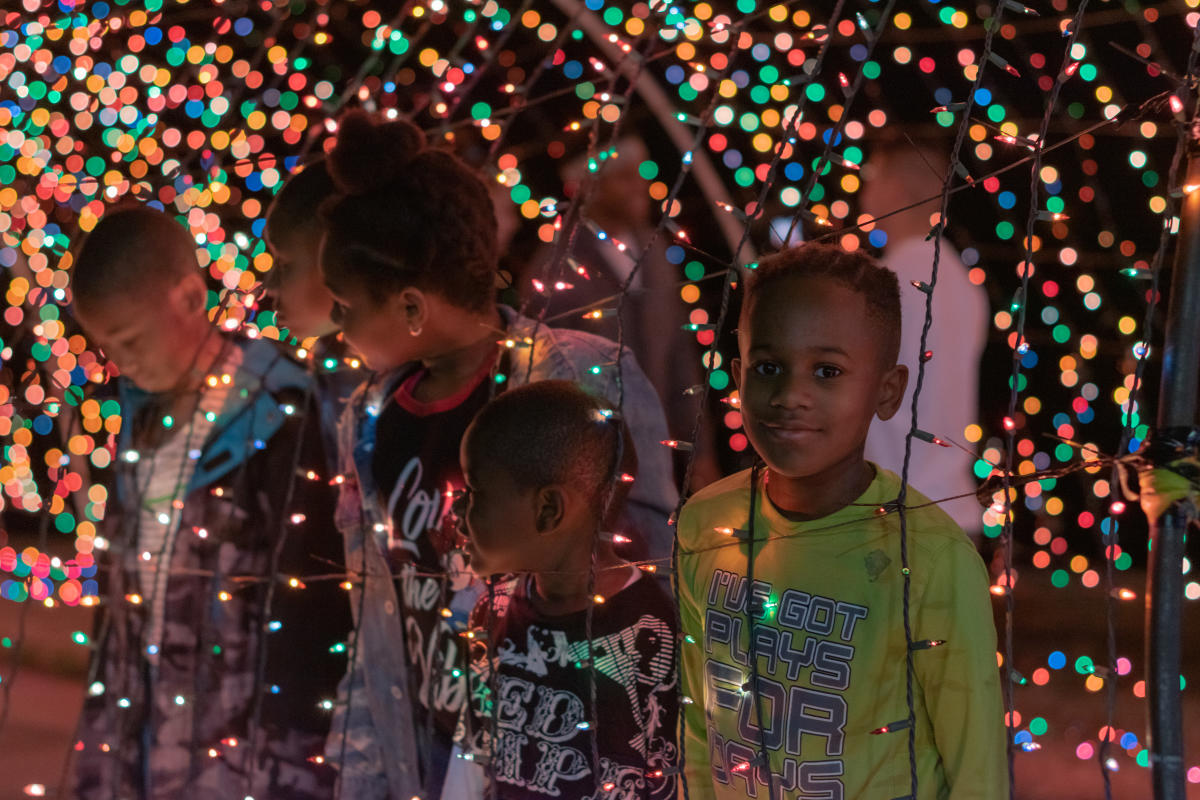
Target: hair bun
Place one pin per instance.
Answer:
(371, 152)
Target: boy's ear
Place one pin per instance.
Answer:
(189, 296)
(550, 509)
(735, 368)
(891, 391)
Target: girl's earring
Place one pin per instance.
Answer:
(414, 330)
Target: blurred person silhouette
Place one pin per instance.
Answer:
(897, 174)
(620, 209)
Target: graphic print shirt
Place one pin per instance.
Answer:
(416, 467)
(542, 688)
(829, 630)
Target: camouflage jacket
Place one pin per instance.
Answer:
(237, 702)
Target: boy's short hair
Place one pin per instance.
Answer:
(131, 251)
(552, 432)
(857, 270)
(298, 203)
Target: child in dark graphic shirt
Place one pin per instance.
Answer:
(791, 580)
(541, 465)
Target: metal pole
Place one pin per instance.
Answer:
(1175, 432)
(1181, 344)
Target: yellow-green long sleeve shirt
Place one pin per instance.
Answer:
(828, 594)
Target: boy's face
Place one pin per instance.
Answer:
(152, 342)
(301, 298)
(498, 518)
(811, 377)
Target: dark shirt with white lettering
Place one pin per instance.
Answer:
(542, 691)
(415, 465)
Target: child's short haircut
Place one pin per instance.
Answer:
(857, 270)
(552, 432)
(131, 251)
(296, 206)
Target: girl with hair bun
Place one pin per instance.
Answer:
(409, 256)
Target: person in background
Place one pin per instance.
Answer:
(409, 256)
(541, 465)
(303, 304)
(897, 175)
(215, 663)
(618, 225)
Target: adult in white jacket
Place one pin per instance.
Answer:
(897, 175)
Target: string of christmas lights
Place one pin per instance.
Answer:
(1110, 526)
(30, 420)
(1066, 70)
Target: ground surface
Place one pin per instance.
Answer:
(48, 690)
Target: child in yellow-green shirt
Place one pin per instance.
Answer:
(821, 712)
